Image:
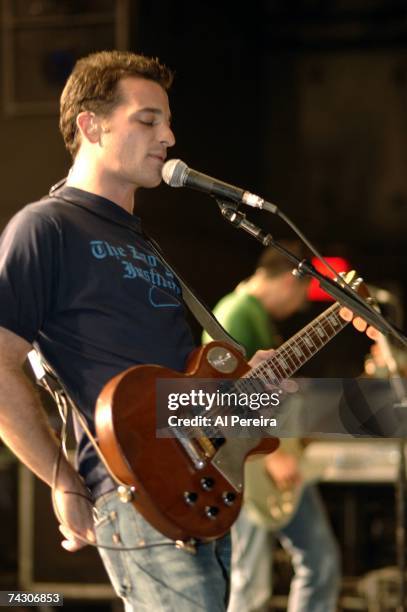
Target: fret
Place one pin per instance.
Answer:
(277, 367)
(297, 351)
(243, 384)
(317, 340)
(270, 374)
(260, 380)
(263, 375)
(334, 321)
(331, 331)
(320, 331)
(331, 318)
(295, 354)
(330, 325)
(283, 363)
(287, 358)
(264, 379)
(307, 352)
(309, 341)
(239, 385)
(251, 384)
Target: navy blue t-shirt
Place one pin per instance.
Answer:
(78, 277)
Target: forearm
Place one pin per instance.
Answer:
(25, 429)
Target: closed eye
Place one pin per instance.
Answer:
(151, 123)
(149, 116)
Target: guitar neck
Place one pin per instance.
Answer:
(291, 355)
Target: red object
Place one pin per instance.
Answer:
(315, 293)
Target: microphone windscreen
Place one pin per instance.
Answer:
(174, 172)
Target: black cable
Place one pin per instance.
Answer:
(56, 469)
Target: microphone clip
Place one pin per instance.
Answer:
(230, 211)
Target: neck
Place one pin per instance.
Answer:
(85, 175)
(257, 288)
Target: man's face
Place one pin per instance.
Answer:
(135, 136)
(284, 295)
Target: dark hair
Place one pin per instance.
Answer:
(275, 263)
(93, 82)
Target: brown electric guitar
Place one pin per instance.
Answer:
(191, 488)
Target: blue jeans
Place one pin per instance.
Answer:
(309, 541)
(160, 578)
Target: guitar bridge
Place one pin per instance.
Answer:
(191, 450)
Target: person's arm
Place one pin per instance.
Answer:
(25, 429)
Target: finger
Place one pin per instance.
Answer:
(260, 356)
(373, 333)
(290, 386)
(264, 353)
(72, 545)
(359, 324)
(346, 314)
(90, 536)
(71, 536)
(66, 531)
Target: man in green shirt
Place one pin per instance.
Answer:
(271, 294)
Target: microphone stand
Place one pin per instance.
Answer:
(399, 390)
(337, 289)
(401, 522)
(342, 293)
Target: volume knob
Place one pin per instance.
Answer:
(211, 511)
(228, 498)
(190, 497)
(207, 483)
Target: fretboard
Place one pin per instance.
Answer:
(291, 355)
(285, 361)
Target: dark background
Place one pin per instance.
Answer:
(302, 102)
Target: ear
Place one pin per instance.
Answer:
(288, 278)
(260, 273)
(89, 127)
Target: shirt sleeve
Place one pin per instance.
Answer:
(238, 322)
(28, 272)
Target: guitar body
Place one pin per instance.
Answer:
(176, 497)
(269, 506)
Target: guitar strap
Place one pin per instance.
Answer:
(198, 308)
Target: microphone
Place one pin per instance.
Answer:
(177, 174)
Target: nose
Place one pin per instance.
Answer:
(168, 137)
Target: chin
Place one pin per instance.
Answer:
(149, 182)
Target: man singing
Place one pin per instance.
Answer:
(79, 278)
